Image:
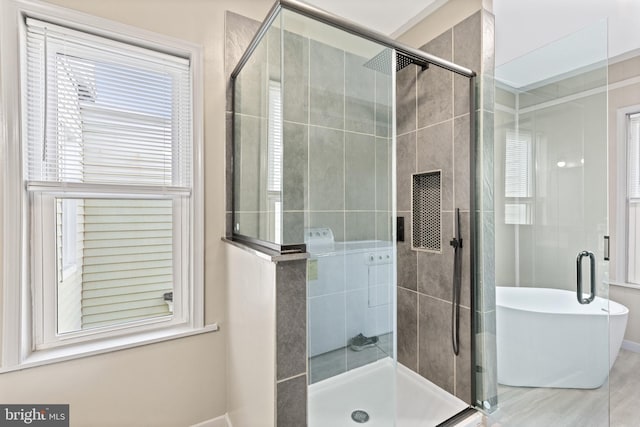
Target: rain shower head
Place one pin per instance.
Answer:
(382, 62)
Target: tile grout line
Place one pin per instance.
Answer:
(454, 117)
(291, 378)
(434, 297)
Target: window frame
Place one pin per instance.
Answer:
(625, 200)
(620, 240)
(525, 201)
(18, 317)
(43, 265)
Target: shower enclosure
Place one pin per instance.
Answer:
(551, 238)
(314, 170)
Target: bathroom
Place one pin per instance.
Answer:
(207, 372)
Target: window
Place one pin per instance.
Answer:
(518, 185)
(274, 140)
(633, 198)
(111, 198)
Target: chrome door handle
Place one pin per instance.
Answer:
(592, 259)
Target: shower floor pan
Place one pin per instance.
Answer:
(417, 403)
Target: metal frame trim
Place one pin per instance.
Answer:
(350, 27)
(473, 241)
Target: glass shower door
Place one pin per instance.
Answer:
(338, 144)
(551, 250)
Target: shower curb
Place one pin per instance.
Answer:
(458, 418)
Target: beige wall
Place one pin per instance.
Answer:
(252, 353)
(179, 382)
(443, 18)
(630, 298)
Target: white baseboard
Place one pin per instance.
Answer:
(222, 421)
(631, 346)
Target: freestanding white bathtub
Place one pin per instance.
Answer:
(545, 338)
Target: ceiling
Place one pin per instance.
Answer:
(536, 41)
(388, 17)
(522, 27)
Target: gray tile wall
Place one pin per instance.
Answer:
(433, 133)
(291, 410)
(291, 344)
(346, 184)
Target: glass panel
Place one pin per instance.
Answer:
(114, 261)
(550, 189)
(258, 150)
(338, 198)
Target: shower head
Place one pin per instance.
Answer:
(382, 62)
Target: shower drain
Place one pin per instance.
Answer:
(359, 416)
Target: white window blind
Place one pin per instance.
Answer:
(517, 213)
(275, 137)
(104, 112)
(518, 165)
(634, 156)
(274, 152)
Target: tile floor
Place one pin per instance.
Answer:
(534, 407)
(625, 390)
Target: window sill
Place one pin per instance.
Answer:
(625, 285)
(77, 351)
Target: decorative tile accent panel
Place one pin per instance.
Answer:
(427, 195)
